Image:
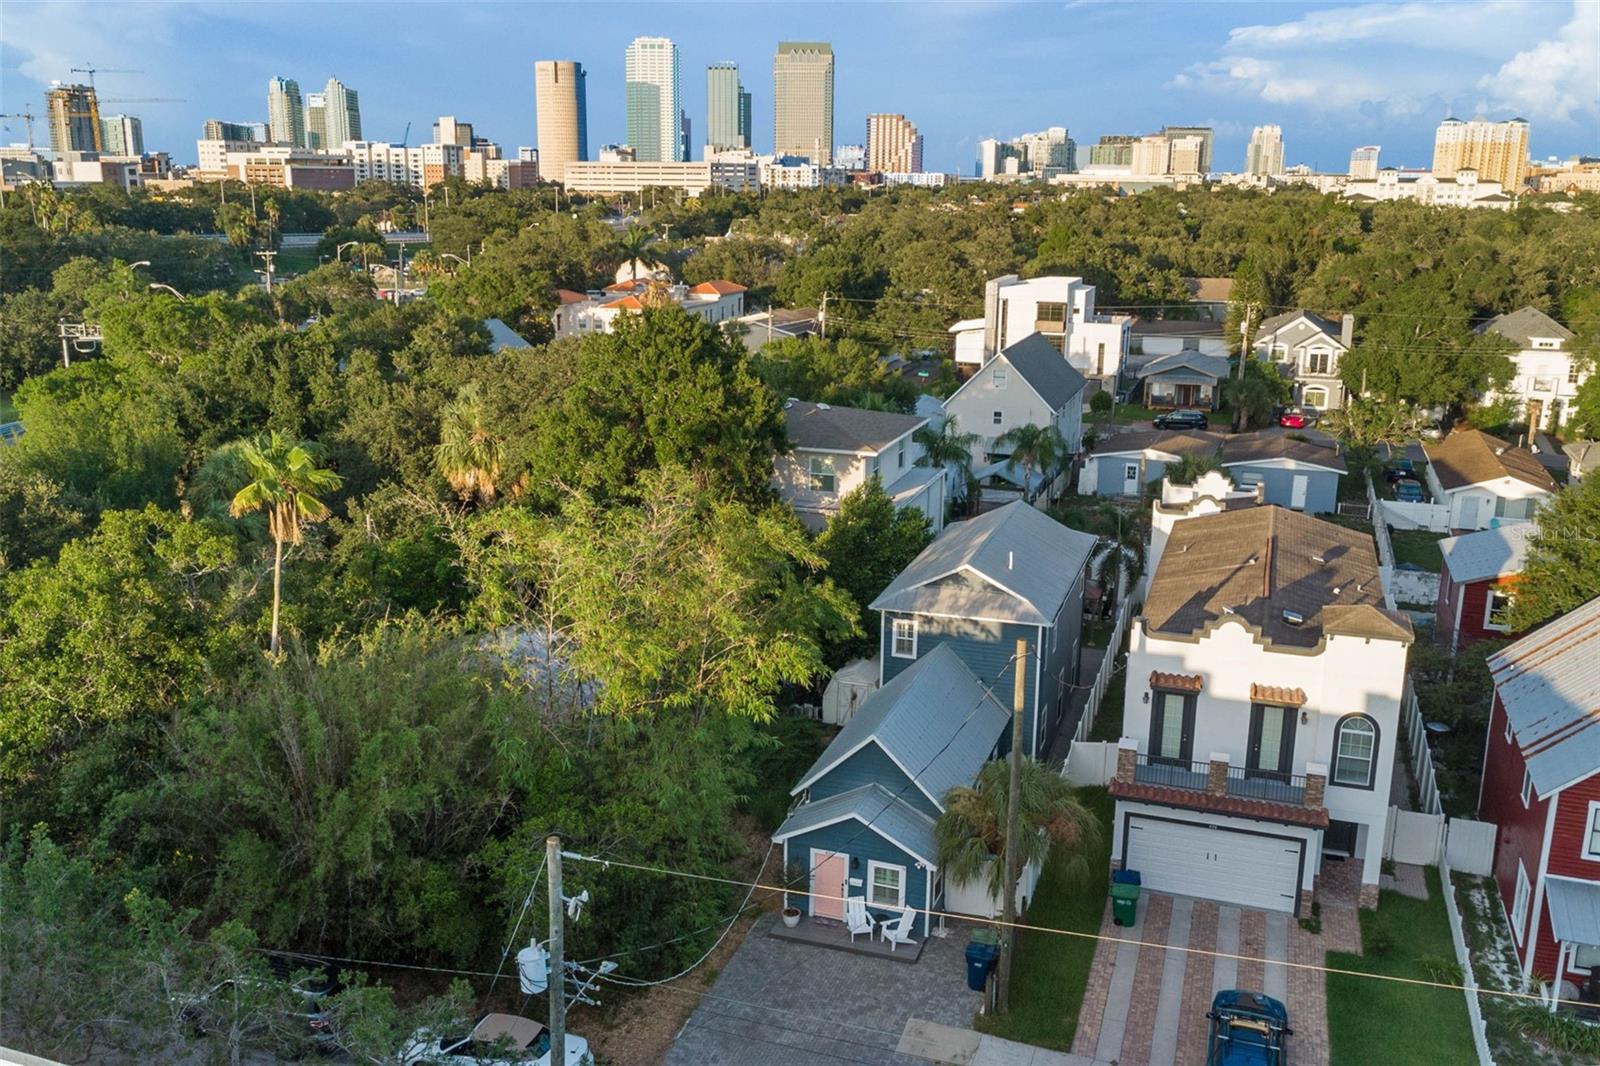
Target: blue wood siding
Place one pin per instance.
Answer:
(1322, 486)
(862, 843)
(1110, 480)
(1062, 657)
(871, 766)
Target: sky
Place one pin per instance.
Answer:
(1333, 76)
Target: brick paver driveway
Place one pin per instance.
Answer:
(780, 1003)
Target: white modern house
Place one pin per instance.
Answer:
(1486, 482)
(1311, 347)
(580, 314)
(835, 450)
(1464, 190)
(1026, 383)
(1547, 378)
(1061, 309)
(1264, 681)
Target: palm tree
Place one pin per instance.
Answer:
(947, 446)
(1035, 447)
(468, 455)
(1188, 468)
(636, 244)
(1053, 825)
(284, 481)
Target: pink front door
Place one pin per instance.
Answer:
(827, 884)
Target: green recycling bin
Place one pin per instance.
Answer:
(1124, 904)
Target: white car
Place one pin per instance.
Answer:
(497, 1040)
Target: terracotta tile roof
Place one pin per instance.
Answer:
(567, 296)
(1281, 695)
(627, 303)
(623, 286)
(1240, 806)
(1471, 457)
(717, 288)
(1177, 682)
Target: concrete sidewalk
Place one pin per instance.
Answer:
(966, 1047)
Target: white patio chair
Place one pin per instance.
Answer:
(856, 917)
(898, 930)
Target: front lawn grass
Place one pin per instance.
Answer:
(1051, 971)
(1417, 547)
(1373, 1021)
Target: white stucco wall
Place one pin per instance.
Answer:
(1480, 512)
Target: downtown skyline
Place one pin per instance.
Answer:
(961, 73)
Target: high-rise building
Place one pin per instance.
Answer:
(802, 100)
(851, 157)
(217, 130)
(893, 145)
(121, 135)
(286, 116)
(1364, 163)
(685, 139)
(73, 112)
(1498, 151)
(1187, 157)
(1043, 154)
(1174, 133)
(1264, 156)
(1151, 156)
(316, 112)
(655, 102)
(727, 109)
(450, 130)
(343, 113)
(1114, 150)
(996, 158)
(561, 100)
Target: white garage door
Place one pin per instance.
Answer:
(1248, 869)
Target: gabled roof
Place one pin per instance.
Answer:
(1256, 563)
(1472, 457)
(717, 288)
(1522, 325)
(1584, 453)
(1265, 444)
(967, 325)
(935, 720)
(627, 303)
(502, 336)
(1013, 564)
(1549, 684)
(1272, 325)
(567, 296)
(871, 805)
(1487, 553)
(824, 427)
(1046, 370)
(1211, 366)
(1171, 441)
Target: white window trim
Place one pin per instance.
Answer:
(1488, 611)
(1508, 730)
(1527, 788)
(1519, 905)
(873, 866)
(894, 637)
(998, 379)
(1588, 833)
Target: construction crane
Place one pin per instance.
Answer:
(406, 136)
(26, 116)
(144, 100)
(92, 71)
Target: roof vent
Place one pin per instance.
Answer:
(1293, 618)
(1229, 610)
(1338, 589)
(1319, 559)
(1009, 559)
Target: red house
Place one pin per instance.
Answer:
(1475, 582)
(1541, 786)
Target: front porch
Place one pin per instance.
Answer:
(827, 933)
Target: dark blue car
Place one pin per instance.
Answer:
(1247, 1029)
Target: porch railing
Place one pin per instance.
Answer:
(1235, 781)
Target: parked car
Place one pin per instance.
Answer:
(497, 1040)
(1297, 417)
(1247, 1029)
(1407, 490)
(1182, 420)
(1396, 469)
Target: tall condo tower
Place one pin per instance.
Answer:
(561, 101)
(286, 115)
(802, 100)
(655, 103)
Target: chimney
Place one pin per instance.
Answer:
(1347, 330)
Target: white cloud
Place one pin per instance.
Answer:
(1557, 79)
(1429, 25)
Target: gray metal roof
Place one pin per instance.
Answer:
(876, 808)
(1046, 370)
(936, 720)
(1549, 684)
(1014, 564)
(1213, 367)
(1487, 553)
(1524, 324)
(825, 427)
(1574, 909)
(1272, 325)
(502, 336)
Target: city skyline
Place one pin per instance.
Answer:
(1223, 66)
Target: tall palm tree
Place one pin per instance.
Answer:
(947, 446)
(1035, 447)
(468, 455)
(284, 481)
(1053, 825)
(636, 242)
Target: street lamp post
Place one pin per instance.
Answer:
(169, 288)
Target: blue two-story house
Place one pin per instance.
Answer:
(1014, 574)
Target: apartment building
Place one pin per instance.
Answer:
(1264, 155)
(802, 100)
(581, 314)
(1364, 163)
(893, 145)
(1494, 151)
(655, 100)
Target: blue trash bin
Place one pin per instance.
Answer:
(1125, 877)
(980, 960)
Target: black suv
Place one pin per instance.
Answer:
(1183, 420)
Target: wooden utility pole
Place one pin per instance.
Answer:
(558, 967)
(1008, 903)
(1244, 353)
(822, 317)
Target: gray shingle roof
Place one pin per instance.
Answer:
(1585, 453)
(1472, 457)
(1171, 441)
(845, 429)
(1046, 370)
(1522, 325)
(1013, 564)
(1272, 325)
(1488, 553)
(1549, 684)
(1214, 367)
(935, 719)
(1277, 444)
(874, 807)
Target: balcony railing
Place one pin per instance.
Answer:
(1236, 781)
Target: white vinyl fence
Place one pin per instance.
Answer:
(1469, 846)
(973, 897)
(1434, 517)
(1090, 762)
(1469, 982)
(1416, 738)
(1414, 837)
(1108, 665)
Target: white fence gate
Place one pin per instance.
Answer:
(1434, 517)
(1469, 846)
(1414, 837)
(1090, 762)
(973, 897)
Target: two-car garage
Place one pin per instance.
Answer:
(1231, 860)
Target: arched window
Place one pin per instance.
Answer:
(1355, 751)
(1314, 396)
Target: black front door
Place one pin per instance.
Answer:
(1172, 727)
(1340, 837)
(1271, 751)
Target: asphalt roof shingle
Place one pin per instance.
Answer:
(1046, 370)
(845, 429)
(1266, 444)
(1525, 323)
(1171, 441)
(1472, 457)
(1272, 325)
(1211, 366)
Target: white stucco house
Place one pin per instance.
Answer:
(835, 450)
(580, 314)
(1311, 347)
(1061, 309)
(1545, 385)
(1486, 482)
(1264, 680)
(1027, 383)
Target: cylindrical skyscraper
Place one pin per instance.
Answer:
(563, 115)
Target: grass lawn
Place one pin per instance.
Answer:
(296, 260)
(1418, 547)
(1382, 1021)
(1127, 413)
(1051, 972)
